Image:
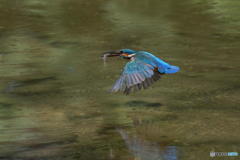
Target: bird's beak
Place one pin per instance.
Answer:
(111, 54)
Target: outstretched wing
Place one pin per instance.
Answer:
(137, 75)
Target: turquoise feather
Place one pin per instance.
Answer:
(143, 69)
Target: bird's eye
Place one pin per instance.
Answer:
(121, 51)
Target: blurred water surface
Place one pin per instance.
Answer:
(54, 102)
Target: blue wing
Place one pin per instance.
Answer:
(136, 75)
(142, 72)
(163, 67)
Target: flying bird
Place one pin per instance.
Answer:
(141, 71)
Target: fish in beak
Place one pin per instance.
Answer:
(111, 54)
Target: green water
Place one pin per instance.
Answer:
(54, 102)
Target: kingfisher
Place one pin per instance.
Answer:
(142, 70)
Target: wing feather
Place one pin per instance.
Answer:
(137, 75)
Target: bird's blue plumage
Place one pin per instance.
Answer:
(143, 69)
(136, 75)
(163, 67)
(129, 51)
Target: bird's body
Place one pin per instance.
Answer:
(143, 69)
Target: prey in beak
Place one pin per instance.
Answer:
(111, 54)
(127, 54)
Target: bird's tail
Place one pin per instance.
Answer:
(171, 69)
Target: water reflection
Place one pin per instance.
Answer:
(143, 150)
(142, 104)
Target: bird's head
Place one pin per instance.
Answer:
(124, 53)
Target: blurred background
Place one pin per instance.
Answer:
(54, 102)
